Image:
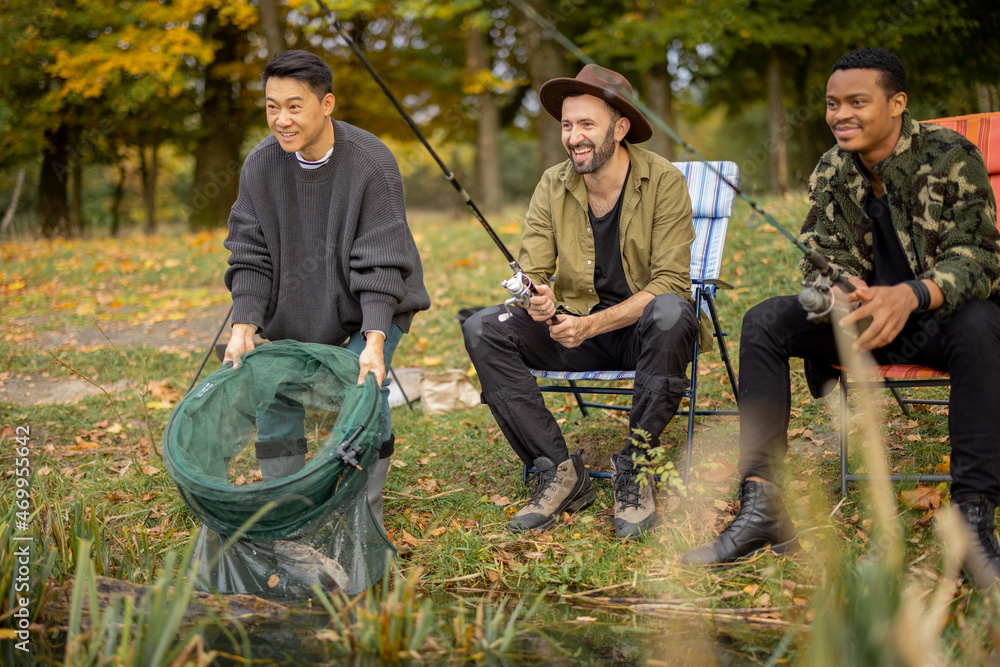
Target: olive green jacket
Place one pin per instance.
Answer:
(655, 234)
(941, 204)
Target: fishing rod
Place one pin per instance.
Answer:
(816, 296)
(519, 285)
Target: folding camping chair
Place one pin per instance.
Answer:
(712, 204)
(984, 130)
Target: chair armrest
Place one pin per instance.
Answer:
(714, 283)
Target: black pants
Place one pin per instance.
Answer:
(966, 344)
(658, 347)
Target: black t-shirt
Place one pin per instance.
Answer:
(891, 265)
(609, 274)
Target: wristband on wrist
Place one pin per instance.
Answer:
(922, 293)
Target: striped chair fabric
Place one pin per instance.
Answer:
(984, 130)
(901, 372)
(711, 204)
(596, 376)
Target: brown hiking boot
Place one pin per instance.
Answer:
(557, 489)
(635, 506)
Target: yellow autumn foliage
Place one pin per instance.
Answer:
(156, 42)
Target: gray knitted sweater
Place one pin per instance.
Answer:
(316, 255)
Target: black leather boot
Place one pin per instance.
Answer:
(982, 560)
(761, 521)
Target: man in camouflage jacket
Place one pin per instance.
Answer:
(906, 212)
(940, 202)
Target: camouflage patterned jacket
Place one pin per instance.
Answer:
(941, 205)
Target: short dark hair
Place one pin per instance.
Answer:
(302, 65)
(892, 74)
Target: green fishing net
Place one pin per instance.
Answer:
(320, 529)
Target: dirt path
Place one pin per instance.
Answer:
(193, 334)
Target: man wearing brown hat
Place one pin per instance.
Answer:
(612, 225)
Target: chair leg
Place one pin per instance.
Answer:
(579, 401)
(845, 475)
(692, 408)
(593, 474)
(720, 336)
(401, 390)
(690, 430)
(903, 403)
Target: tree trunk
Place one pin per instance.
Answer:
(545, 61)
(807, 156)
(116, 201)
(149, 176)
(76, 220)
(14, 199)
(657, 81)
(488, 131)
(216, 171)
(777, 123)
(987, 98)
(53, 209)
(273, 27)
(217, 151)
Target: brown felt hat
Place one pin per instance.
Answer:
(605, 84)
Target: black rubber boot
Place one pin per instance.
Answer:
(761, 521)
(376, 483)
(281, 458)
(982, 560)
(558, 489)
(281, 466)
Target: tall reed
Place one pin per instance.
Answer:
(868, 611)
(150, 630)
(393, 623)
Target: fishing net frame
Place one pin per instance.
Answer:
(322, 376)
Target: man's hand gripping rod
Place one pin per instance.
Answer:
(519, 285)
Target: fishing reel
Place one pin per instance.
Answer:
(520, 288)
(817, 298)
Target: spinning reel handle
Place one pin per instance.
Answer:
(520, 288)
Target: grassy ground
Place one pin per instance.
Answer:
(455, 481)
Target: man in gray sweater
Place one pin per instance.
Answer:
(320, 249)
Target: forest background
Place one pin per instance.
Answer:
(134, 115)
(132, 119)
